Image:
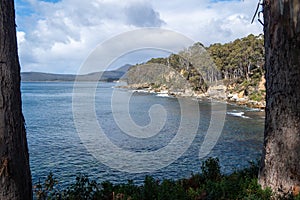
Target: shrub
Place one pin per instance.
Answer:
(83, 188)
(211, 169)
(47, 189)
(211, 184)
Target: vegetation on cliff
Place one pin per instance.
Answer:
(239, 59)
(238, 65)
(241, 63)
(190, 69)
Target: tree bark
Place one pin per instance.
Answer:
(15, 177)
(280, 166)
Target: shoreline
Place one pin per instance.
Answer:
(215, 93)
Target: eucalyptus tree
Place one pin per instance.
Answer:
(15, 177)
(280, 167)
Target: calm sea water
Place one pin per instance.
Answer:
(55, 146)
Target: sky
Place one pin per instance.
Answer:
(56, 36)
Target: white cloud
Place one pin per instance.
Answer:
(209, 22)
(21, 37)
(57, 37)
(141, 42)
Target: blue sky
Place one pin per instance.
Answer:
(57, 36)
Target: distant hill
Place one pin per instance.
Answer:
(124, 68)
(108, 76)
(39, 76)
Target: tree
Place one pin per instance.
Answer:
(280, 167)
(15, 177)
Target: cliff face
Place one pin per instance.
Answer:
(157, 75)
(188, 73)
(249, 92)
(217, 71)
(164, 79)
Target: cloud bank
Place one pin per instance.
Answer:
(57, 36)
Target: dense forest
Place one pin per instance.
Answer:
(240, 58)
(241, 63)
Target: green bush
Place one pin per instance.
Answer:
(83, 188)
(47, 190)
(257, 96)
(211, 169)
(210, 184)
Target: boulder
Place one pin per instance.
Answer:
(241, 94)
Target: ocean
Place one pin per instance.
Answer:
(125, 135)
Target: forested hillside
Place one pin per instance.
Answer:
(240, 58)
(235, 68)
(241, 63)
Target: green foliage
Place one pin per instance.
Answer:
(171, 190)
(46, 190)
(211, 184)
(257, 96)
(177, 71)
(240, 63)
(211, 169)
(83, 188)
(158, 60)
(150, 190)
(234, 59)
(106, 190)
(297, 197)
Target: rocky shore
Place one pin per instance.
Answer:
(217, 92)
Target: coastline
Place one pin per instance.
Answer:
(216, 93)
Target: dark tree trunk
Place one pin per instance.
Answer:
(15, 178)
(280, 168)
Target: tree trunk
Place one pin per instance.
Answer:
(15, 177)
(280, 167)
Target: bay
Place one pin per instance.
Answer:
(55, 145)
